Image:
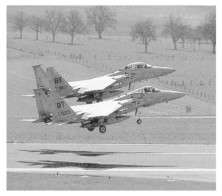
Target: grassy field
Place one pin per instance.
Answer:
(196, 70)
(91, 57)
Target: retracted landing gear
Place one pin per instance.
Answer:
(102, 129)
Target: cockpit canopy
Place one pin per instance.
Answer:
(137, 65)
(150, 90)
(144, 90)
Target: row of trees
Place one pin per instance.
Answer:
(177, 30)
(102, 17)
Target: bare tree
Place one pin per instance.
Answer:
(198, 34)
(36, 24)
(145, 31)
(19, 22)
(102, 18)
(194, 35)
(174, 28)
(73, 24)
(184, 33)
(53, 22)
(209, 30)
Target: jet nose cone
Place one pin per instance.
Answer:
(161, 71)
(171, 95)
(169, 70)
(179, 95)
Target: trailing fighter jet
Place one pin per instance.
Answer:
(99, 88)
(53, 109)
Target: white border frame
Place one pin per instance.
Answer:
(3, 88)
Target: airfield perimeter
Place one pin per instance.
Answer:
(166, 125)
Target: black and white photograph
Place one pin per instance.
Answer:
(111, 97)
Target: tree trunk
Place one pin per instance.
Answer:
(37, 35)
(175, 44)
(194, 45)
(20, 34)
(72, 38)
(53, 36)
(100, 35)
(145, 43)
(214, 47)
(199, 43)
(183, 43)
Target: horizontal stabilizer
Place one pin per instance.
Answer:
(31, 120)
(31, 95)
(36, 121)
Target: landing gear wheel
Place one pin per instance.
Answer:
(91, 128)
(47, 120)
(138, 121)
(102, 129)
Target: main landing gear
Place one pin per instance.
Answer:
(139, 120)
(91, 125)
(91, 128)
(47, 119)
(102, 129)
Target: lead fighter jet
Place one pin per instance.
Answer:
(99, 88)
(53, 109)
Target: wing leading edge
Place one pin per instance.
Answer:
(95, 84)
(101, 109)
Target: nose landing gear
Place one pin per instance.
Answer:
(139, 121)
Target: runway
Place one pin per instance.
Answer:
(110, 156)
(170, 162)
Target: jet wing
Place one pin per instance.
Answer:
(96, 110)
(95, 84)
(116, 73)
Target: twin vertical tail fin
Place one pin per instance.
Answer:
(58, 83)
(41, 77)
(41, 104)
(50, 105)
(51, 79)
